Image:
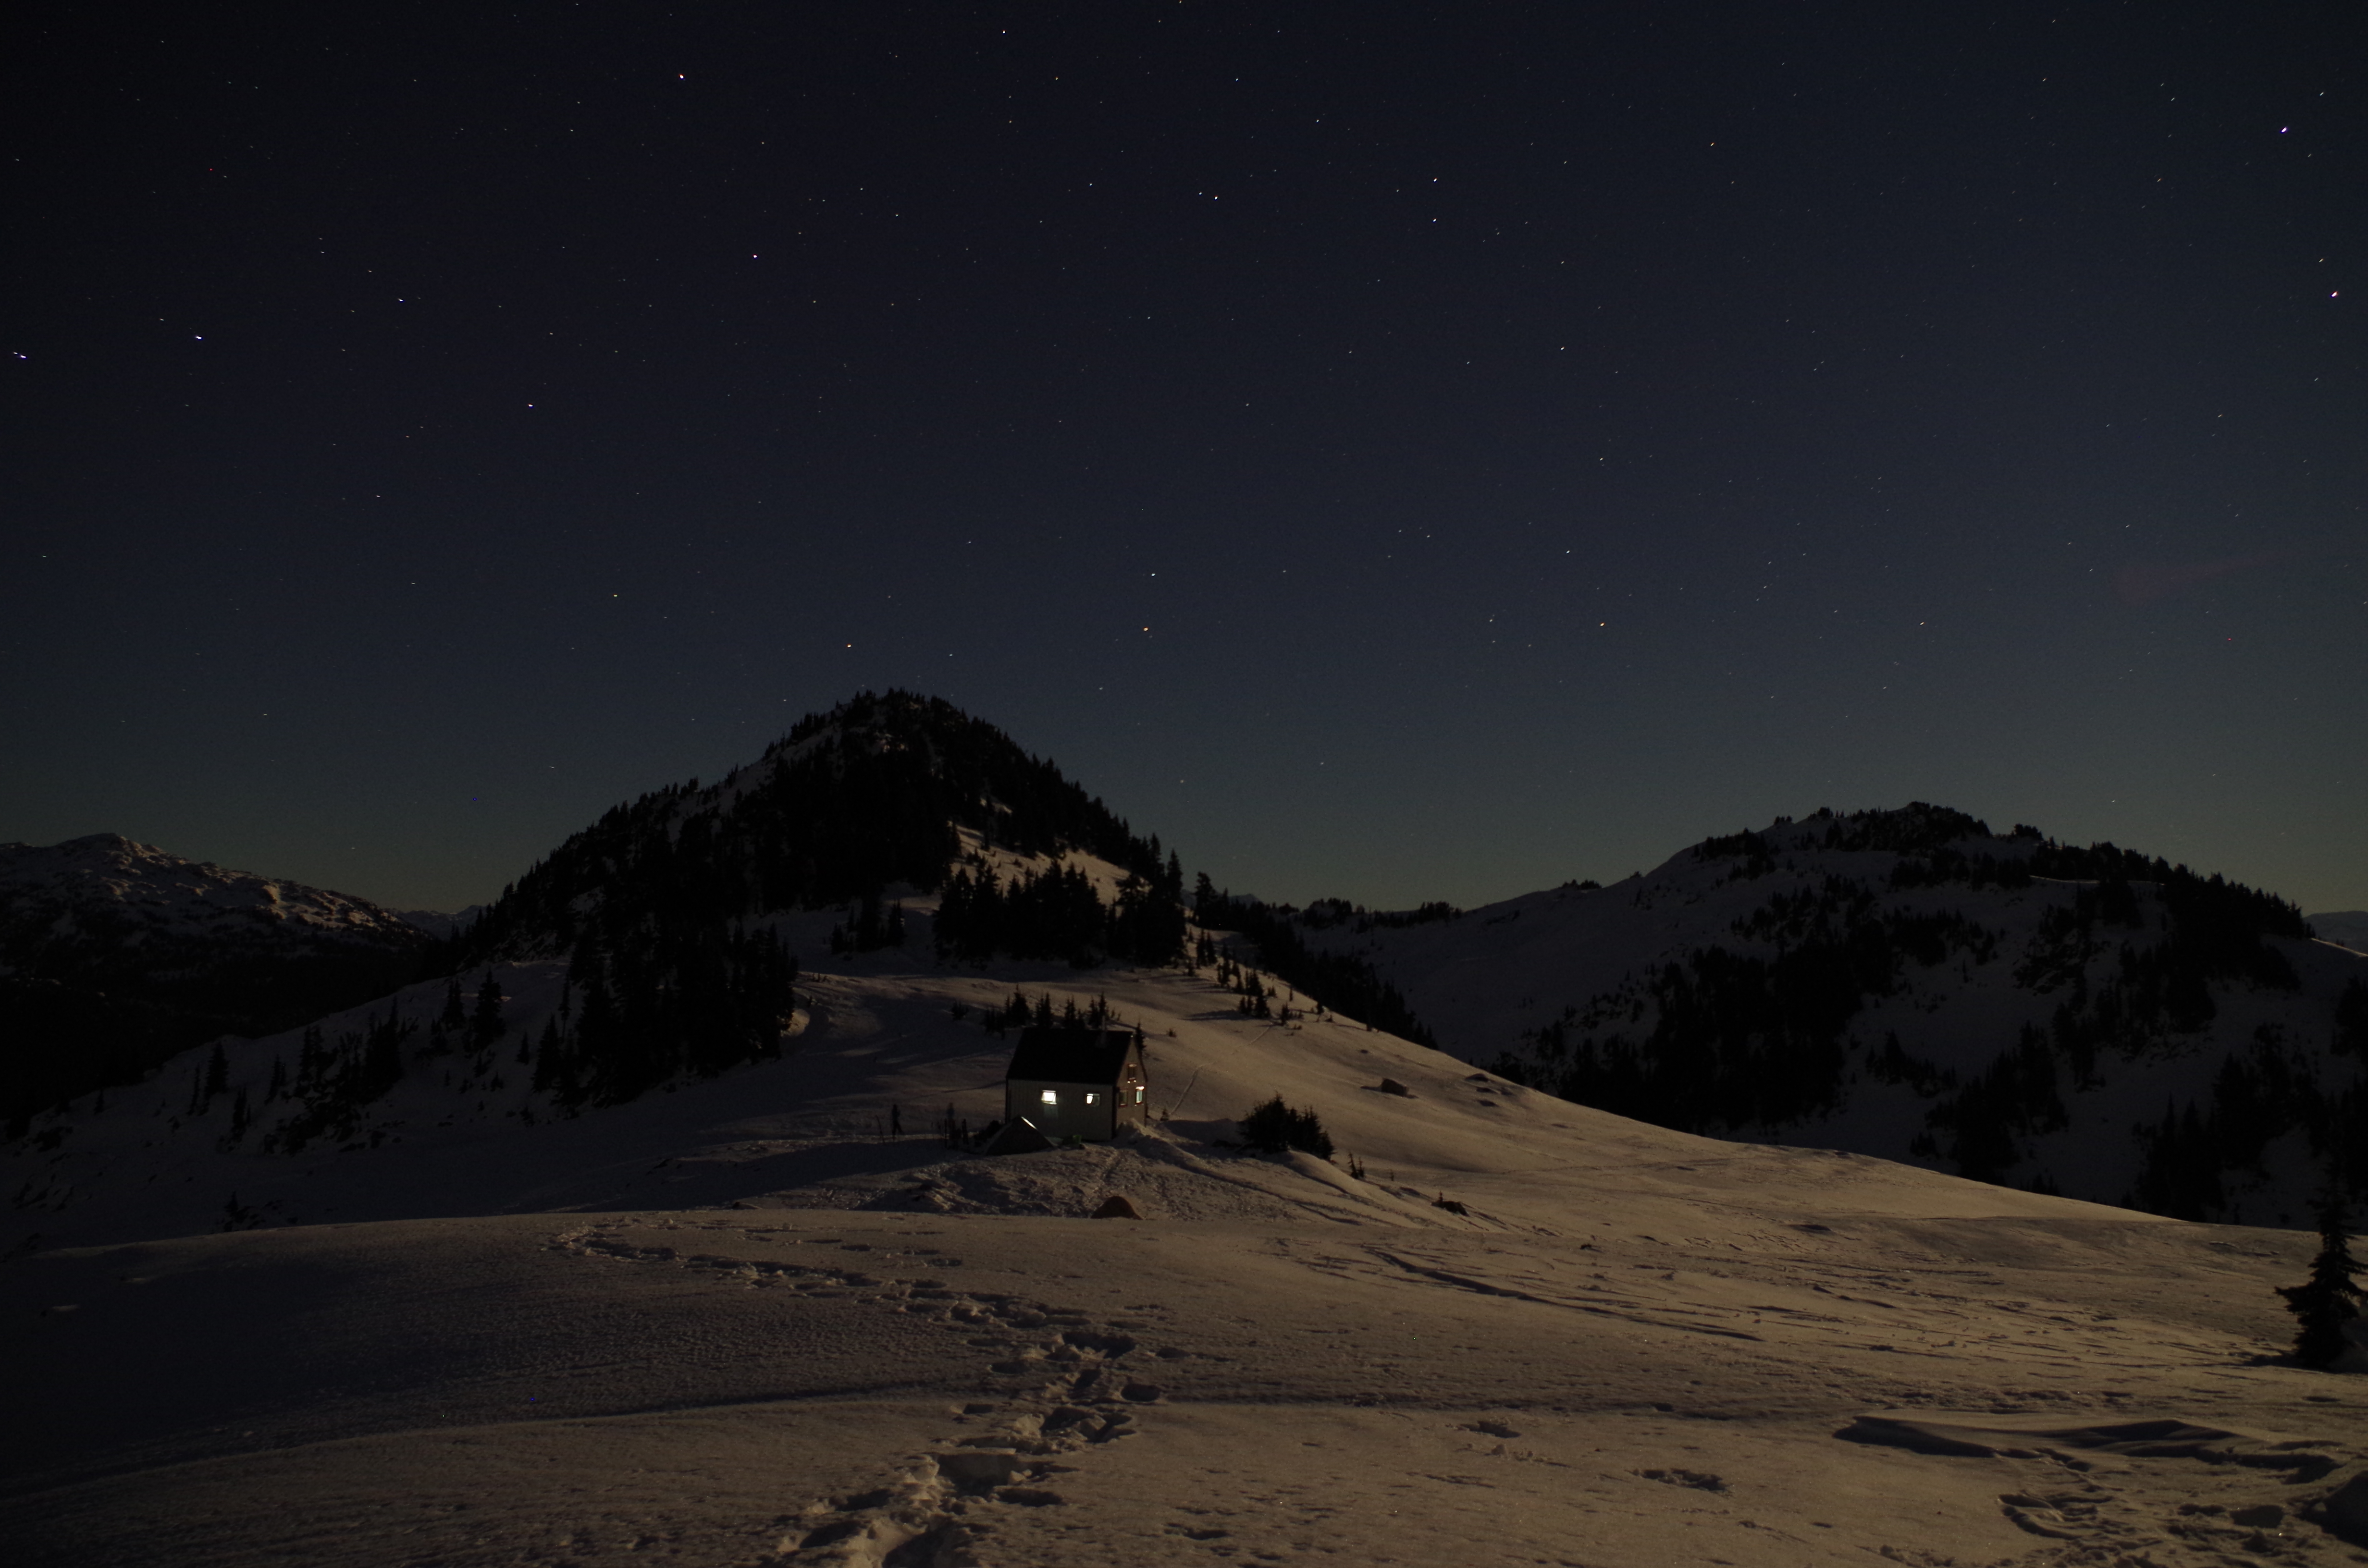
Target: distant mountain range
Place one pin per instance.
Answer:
(1906, 983)
(116, 956)
(2345, 928)
(437, 923)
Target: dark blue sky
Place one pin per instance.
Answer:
(1391, 452)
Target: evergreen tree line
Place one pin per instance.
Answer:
(2157, 989)
(332, 1083)
(870, 928)
(2216, 911)
(1893, 1064)
(1949, 867)
(1326, 913)
(1340, 982)
(1757, 857)
(2259, 1095)
(1019, 1014)
(1917, 828)
(1257, 997)
(651, 1002)
(2017, 1094)
(1840, 909)
(1056, 914)
(473, 1032)
(2150, 995)
(1274, 1127)
(1739, 1040)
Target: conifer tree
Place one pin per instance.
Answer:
(2330, 1298)
(381, 1059)
(455, 1017)
(488, 1025)
(1273, 1127)
(2352, 1020)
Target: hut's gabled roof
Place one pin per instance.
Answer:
(1071, 1056)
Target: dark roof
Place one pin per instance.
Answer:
(1070, 1056)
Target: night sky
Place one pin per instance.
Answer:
(1395, 453)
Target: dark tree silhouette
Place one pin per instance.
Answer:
(1274, 1127)
(2330, 1298)
(1341, 982)
(487, 1024)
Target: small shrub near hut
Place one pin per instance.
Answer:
(1274, 1127)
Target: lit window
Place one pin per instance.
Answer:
(1092, 1098)
(1051, 1097)
(1138, 1097)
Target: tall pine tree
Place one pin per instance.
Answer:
(2330, 1298)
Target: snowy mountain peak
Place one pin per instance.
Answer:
(875, 794)
(104, 877)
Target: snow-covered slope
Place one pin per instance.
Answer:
(745, 1322)
(431, 1279)
(883, 790)
(114, 955)
(1909, 985)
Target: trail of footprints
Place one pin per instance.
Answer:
(931, 1514)
(1076, 1389)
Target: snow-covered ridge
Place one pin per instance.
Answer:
(1911, 985)
(104, 880)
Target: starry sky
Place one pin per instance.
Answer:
(1394, 452)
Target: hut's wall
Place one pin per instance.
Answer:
(1069, 1115)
